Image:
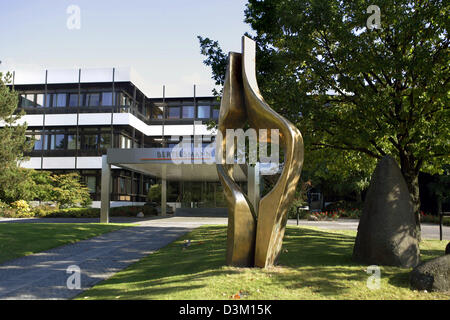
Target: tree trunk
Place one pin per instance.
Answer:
(411, 176)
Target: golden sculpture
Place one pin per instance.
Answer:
(255, 238)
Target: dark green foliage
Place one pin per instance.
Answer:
(13, 144)
(356, 95)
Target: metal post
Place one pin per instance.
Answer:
(105, 190)
(163, 191)
(253, 185)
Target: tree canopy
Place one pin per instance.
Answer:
(14, 142)
(357, 92)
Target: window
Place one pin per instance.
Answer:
(82, 99)
(48, 100)
(105, 140)
(124, 185)
(125, 101)
(107, 99)
(90, 142)
(203, 112)
(173, 113)
(91, 182)
(71, 141)
(59, 100)
(125, 142)
(27, 100)
(39, 142)
(157, 112)
(215, 114)
(40, 100)
(56, 141)
(93, 99)
(188, 112)
(73, 100)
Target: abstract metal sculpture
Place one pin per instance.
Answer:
(255, 235)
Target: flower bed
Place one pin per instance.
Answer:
(336, 214)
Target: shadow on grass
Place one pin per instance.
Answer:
(309, 247)
(161, 272)
(315, 259)
(321, 261)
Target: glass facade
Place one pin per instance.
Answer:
(203, 112)
(173, 113)
(92, 99)
(73, 100)
(188, 112)
(107, 99)
(92, 141)
(39, 100)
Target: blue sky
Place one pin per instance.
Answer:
(157, 38)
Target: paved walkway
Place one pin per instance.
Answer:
(44, 275)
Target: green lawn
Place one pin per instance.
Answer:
(21, 239)
(314, 264)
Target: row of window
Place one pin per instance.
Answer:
(62, 100)
(86, 140)
(96, 99)
(188, 112)
(69, 141)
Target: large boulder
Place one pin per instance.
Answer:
(386, 230)
(433, 275)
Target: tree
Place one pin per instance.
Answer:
(13, 145)
(17, 184)
(68, 190)
(357, 91)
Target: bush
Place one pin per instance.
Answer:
(344, 205)
(8, 212)
(51, 212)
(154, 193)
(292, 213)
(22, 209)
(132, 211)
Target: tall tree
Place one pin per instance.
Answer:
(368, 92)
(14, 143)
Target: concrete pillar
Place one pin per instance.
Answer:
(253, 185)
(163, 191)
(105, 190)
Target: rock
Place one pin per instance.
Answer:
(140, 215)
(312, 217)
(433, 275)
(447, 248)
(386, 231)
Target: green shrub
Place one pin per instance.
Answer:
(292, 213)
(3, 205)
(132, 211)
(154, 193)
(22, 209)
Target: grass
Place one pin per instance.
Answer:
(314, 264)
(21, 239)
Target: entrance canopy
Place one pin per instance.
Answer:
(158, 162)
